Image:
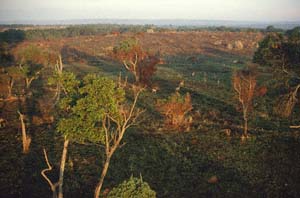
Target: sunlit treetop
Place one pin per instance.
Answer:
(97, 97)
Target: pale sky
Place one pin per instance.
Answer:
(241, 10)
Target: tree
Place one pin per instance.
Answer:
(70, 85)
(244, 83)
(99, 114)
(12, 74)
(175, 110)
(64, 81)
(5, 56)
(140, 63)
(31, 60)
(59, 183)
(281, 54)
(25, 138)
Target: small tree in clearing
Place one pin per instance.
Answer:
(100, 114)
(175, 109)
(140, 63)
(244, 83)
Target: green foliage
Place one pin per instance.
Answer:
(32, 55)
(97, 97)
(32, 59)
(13, 71)
(280, 52)
(5, 55)
(12, 36)
(268, 50)
(126, 45)
(81, 30)
(294, 34)
(132, 188)
(69, 84)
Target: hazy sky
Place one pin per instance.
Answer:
(250, 10)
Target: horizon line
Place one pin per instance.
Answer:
(56, 21)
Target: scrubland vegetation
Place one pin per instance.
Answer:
(122, 111)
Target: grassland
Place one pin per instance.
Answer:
(174, 163)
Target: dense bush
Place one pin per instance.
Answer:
(132, 188)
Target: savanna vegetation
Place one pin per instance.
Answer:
(120, 111)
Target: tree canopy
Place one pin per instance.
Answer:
(281, 52)
(96, 97)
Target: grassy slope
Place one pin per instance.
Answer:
(174, 164)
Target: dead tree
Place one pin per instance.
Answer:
(244, 83)
(25, 138)
(62, 168)
(59, 183)
(59, 72)
(12, 74)
(287, 103)
(137, 61)
(10, 85)
(175, 110)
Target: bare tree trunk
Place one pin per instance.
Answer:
(245, 122)
(137, 77)
(58, 184)
(53, 186)
(59, 70)
(10, 87)
(26, 140)
(62, 168)
(57, 94)
(246, 127)
(103, 174)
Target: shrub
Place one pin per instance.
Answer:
(175, 110)
(132, 188)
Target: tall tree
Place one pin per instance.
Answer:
(68, 82)
(281, 54)
(99, 114)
